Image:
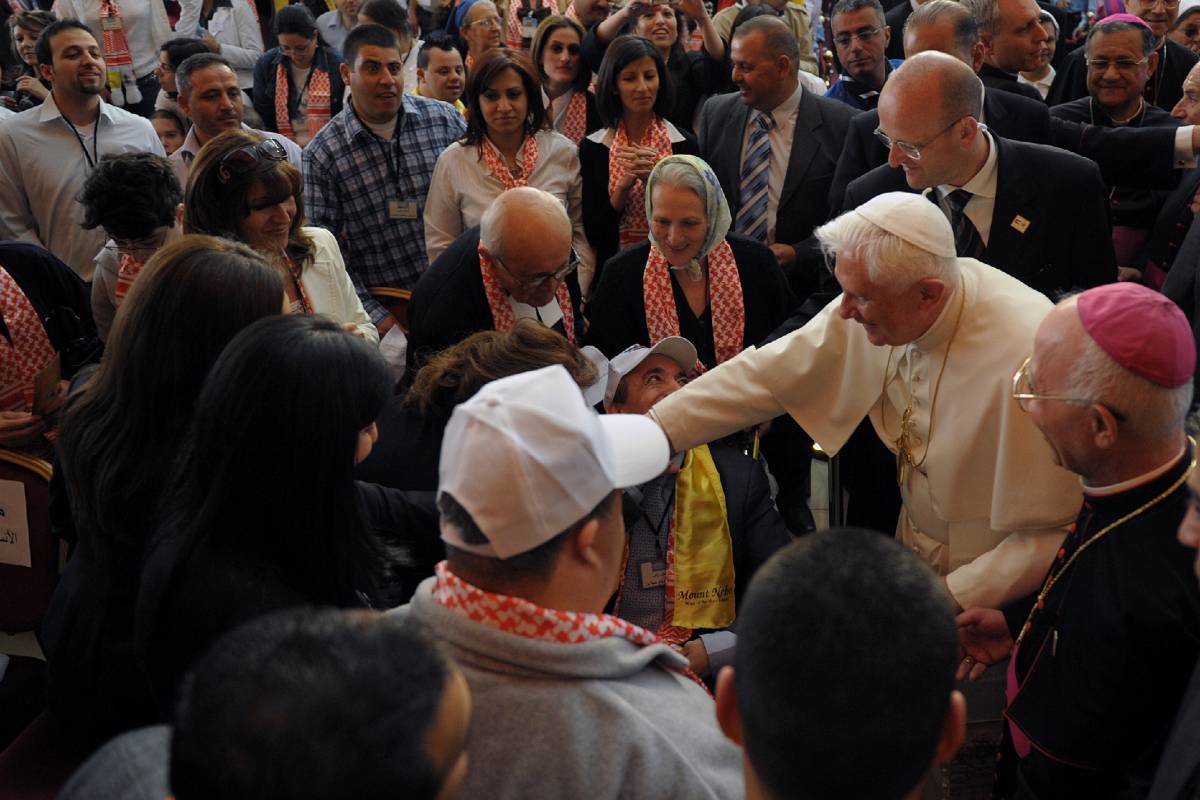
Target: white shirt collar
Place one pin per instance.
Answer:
(983, 183)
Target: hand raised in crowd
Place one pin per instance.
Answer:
(30, 84)
(984, 638)
(692, 8)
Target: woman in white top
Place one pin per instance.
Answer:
(508, 144)
(230, 27)
(242, 187)
(143, 27)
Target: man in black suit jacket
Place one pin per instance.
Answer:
(525, 244)
(1165, 86)
(1012, 36)
(765, 71)
(947, 27)
(895, 19)
(1033, 211)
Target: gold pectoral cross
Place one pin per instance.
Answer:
(904, 444)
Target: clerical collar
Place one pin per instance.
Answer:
(1134, 483)
(943, 327)
(1099, 116)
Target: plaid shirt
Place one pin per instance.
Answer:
(348, 189)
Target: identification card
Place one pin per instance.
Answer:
(402, 210)
(110, 23)
(45, 386)
(654, 574)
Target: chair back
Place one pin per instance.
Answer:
(25, 590)
(395, 301)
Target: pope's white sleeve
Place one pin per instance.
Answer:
(1012, 569)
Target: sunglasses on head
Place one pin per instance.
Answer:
(246, 159)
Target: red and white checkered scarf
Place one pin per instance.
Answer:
(118, 63)
(527, 158)
(633, 226)
(126, 273)
(575, 118)
(724, 298)
(502, 312)
(25, 352)
(528, 620)
(319, 91)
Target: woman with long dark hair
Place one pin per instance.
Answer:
(120, 433)
(242, 187)
(559, 60)
(264, 512)
(508, 144)
(633, 95)
(298, 84)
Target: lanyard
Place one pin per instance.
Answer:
(94, 156)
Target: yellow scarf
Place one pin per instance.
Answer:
(700, 582)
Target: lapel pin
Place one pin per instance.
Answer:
(1020, 223)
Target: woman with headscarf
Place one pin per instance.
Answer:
(477, 25)
(693, 278)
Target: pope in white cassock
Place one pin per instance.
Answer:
(925, 344)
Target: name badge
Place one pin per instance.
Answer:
(110, 23)
(654, 574)
(399, 210)
(1020, 224)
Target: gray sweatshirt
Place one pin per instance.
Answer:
(599, 719)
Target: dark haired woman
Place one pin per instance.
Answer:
(508, 144)
(633, 95)
(230, 28)
(559, 60)
(694, 74)
(242, 187)
(119, 433)
(31, 87)
(298, 85)
(263, 511)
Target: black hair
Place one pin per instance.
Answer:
(42, 49)
(272, 476)
(623, 51)
(437, 40)
(297, 19)
(845, 663)
(131, 194)
(173, 116)
(180, 48)
(532, 565)
(311, 703)
(847, 6)
(374, 34)
(193, 64)
(387, 13)
(1120, 26)
(747, 13)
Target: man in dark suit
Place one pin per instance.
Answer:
(1012, 36)
(895, 19)
(804, 139)
(1174, 61)
(947, 27)
(1033, 211)
(513, 265)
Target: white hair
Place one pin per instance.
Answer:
(525, 205)
(890, 260)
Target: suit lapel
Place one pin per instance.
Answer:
(1005, 241)
(729, 169)
(993, 111)
(804, 146)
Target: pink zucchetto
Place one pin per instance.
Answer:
(1140, 329)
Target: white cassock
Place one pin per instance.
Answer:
(987, 507)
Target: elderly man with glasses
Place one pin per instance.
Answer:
(1036, 212)
(517, 263)
(922, 344)
(1100, 656)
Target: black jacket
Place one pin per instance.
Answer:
(1164, 89)
(1050, 227)
(994, 78)
(266, 71)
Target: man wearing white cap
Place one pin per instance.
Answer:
(567, 701)
(696, 535)
(923, 344)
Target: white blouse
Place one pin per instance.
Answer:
(235, 27)
(463, 187)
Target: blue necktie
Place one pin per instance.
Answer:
(756, 169)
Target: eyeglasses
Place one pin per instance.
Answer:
(143, 248)
(246, 159)
(911, 150)
(542, 278)
(1023, 391)
(1122, 64)
(865, 35)
(1164, 3)
(487, 22)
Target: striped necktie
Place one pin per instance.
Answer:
(756, 169)
(967, 240)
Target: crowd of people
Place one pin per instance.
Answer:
(431, 391)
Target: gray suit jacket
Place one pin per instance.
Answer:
(821, 126)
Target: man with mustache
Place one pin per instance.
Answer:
(210, 96)
(47, 152)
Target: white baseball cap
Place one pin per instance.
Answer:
(676, 348)
(528, 458)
